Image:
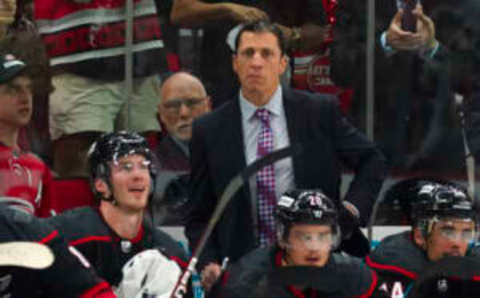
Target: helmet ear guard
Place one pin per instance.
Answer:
(436, 200)
(103, 174)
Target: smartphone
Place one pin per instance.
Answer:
(409, 21)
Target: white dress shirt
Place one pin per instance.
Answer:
(252, 126)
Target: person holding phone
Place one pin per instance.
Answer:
(410, 30)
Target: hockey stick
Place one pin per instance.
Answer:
(235, 184)
(25, 254)
(469, 159)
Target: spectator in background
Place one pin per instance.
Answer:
(444, 223)
(217, 18)
(264, 117)
(414, 120)
(68, 276)
(182, 99)
(26, 180)
(7, 15)
(23, 40)
(447, 72)
(455, 66)
(19, 35)
(397, 38)
(121, 173)
(405, 53)
(87, 54)
(308, 26)
(348, 52)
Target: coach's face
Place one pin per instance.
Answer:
(259, 64)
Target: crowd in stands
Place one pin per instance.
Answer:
(110, 130)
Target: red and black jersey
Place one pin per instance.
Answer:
(25, 177)
(85, 229)
(342, 276)
(398, 262)
(68, 276)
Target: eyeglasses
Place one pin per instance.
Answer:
(174, 105)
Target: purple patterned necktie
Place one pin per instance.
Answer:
(265, 182)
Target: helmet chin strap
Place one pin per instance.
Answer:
(110, 199)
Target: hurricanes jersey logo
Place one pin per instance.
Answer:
(397, 290)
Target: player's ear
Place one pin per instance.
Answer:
(102, 187)
(419, 239)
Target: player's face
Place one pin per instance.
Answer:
(449, 238)
(131, 182)
(16, 102)
(259, 63)
(309, 245)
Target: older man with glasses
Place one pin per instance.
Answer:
(183, 98)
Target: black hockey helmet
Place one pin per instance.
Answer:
(440, 200)
(110, 147)
(305, 207)
(406, 194)
(436, 201)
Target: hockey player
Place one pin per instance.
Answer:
(444, 224)
(122, 175)
(69, 275)
(307, 233)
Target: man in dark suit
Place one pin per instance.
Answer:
(236, 134)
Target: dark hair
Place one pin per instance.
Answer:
(263, 27)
